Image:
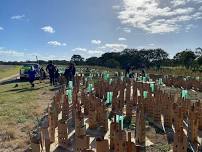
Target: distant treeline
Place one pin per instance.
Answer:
(135, 58)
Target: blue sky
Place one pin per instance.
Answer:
(57, 29)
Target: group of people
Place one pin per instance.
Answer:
(53, 73)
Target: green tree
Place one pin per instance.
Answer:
(198, 52)
(185, 58)
(112, 63)
(199, 60)
(77, 59)
(92, 61)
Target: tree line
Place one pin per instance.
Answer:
(135, 58)
(144, 57)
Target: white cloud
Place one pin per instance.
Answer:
(17, 55)
(115, 47)
(177, 3)
(86, 53)
(189, 27)
(124, 29)
(141, 47)
(95, 52)
(151, 44)
(48, 29)
(11, 53)
(116, 7)
(56, 43)
(79, 50)
(96, 42)
(1, 28)
(127, 30)
(64, 44)
(99, 50)
(122, 39)
(152, 17)
(18, 17)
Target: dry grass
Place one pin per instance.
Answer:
(8, 70)
(177, 71)
(19, 109)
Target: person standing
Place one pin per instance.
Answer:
(42, 74)
(51, 71)
(127, 69)
(31, 74)
(70, 73)
(143, 69)
(57, 75)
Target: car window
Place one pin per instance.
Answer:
(26, 67)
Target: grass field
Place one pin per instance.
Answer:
(8, 70)
(19, 109)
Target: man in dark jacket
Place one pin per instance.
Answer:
(51, 70)
(127, 69)
(70, 73)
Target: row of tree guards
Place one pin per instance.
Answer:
(106, 77)
(109, 96)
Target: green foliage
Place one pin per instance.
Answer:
(77, 59)
(92, 61)
(112, 63)
(185, 58)
(199, 60)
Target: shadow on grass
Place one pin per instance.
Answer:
(21, 81)
(55, 88)
(20, 90)
(11, 81)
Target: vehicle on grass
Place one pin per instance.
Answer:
(29, 66)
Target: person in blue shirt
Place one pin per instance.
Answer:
(31, 74)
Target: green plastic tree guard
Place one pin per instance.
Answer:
(109, 97)
(119, 119)
(110, 81)
(140, 78)
(122, 77)
(69, 95)
(160, 81)
(70, 85)
(145, 93)
(144, 79)
(152, 87)
(184, 94)
(90, 87)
